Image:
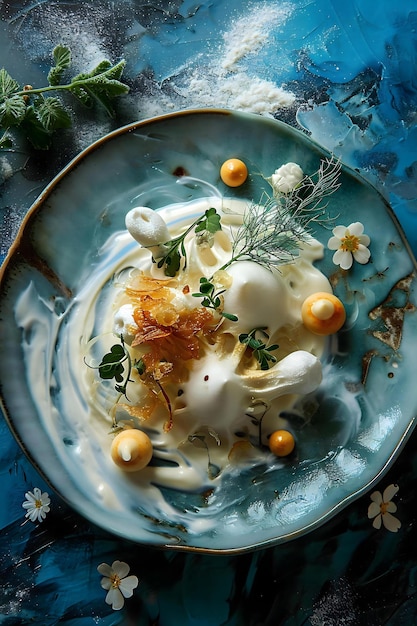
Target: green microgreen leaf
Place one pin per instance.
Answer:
(111, 364)
(261, 351)
(210, 222)
(211, 299)
(176, 252)
(139, 366)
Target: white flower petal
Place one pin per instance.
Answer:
(391, 523)
(361, 255)
(356, 228)
(120, 568)
(364, 240)
(339, 231)
(376, 496)
(334, 243)
(390, 507)
(343, 258)
(32, 514)
(115, 598)
(127, 585)
(105, 570)
(377, 522)
(374, 509)
(37, 493)
(106, 583)
(390, 492)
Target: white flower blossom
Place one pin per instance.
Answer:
(350, 243)
(36, 505)
(117, 583)
(381, 509)
(286, 178)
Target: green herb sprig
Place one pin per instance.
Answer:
(211, 299)
(111, 366)
(38, 115)
(273, 231)
(118, 364)
(261, 351)
(171, 260)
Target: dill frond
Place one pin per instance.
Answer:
(274, 230)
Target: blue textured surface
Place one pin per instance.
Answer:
(352, 67)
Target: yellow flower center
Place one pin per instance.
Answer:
(38, 504)
(383, 506)
(350, 243)
(115, 581)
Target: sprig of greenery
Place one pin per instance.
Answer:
(111, 366)
(211, 298)
(38, 115)
(273, 231)
(261, 351)
(171, 261)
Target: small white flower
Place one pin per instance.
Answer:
(117, 583)
(381, 509)
(350, 243)
(286, 178)
(36, 505)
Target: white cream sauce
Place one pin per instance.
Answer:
(221, 396)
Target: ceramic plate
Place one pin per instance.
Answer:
(348, 432)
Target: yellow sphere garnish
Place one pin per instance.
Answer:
(281, 443)
(131, 450)
(233, 172)
(322, 313)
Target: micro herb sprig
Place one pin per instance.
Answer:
(111, 366)
(38, 115)
(261, 351)
(273, 231)
(211, 298)
(171, 261)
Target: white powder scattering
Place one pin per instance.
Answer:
(6, 170)
(251, 32)
(240, 92)
(224, 80)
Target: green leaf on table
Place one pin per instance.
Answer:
(62, 58)
(101, 84)
(5, 141)
(34, 130)
(12, 111)
(8, 86)
(52, 114)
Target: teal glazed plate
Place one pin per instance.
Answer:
(348, 432)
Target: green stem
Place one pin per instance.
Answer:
(31, 92)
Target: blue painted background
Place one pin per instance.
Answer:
(352, 67)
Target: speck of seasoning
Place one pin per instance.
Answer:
(186, 289)
(206, 377)
(180, 171)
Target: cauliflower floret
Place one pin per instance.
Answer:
(286, 178)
